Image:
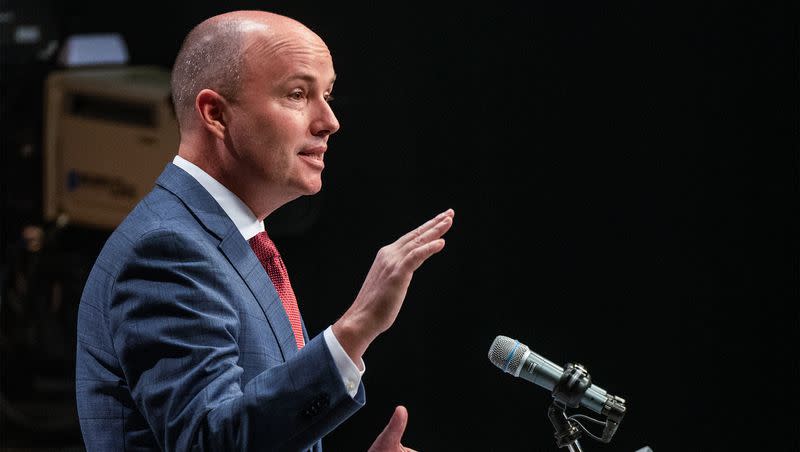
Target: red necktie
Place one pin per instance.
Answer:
(271, 260)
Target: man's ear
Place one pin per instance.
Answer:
(211, 107)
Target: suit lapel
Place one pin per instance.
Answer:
(236, 250)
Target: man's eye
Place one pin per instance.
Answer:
(329, 98)
(296, 95)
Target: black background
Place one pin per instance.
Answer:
(625, 181)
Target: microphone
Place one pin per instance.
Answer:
(571, 386)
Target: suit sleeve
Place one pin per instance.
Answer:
(175, 332)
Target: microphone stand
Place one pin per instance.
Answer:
(567, 433)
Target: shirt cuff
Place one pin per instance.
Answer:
(350, 373)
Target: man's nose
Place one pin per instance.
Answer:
(325, 123)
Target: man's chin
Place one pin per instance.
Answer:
(312, 188)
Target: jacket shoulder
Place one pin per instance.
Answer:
(159, 215)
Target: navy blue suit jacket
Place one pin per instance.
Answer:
(183, 343)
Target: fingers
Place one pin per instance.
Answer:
(425, 241)
(412, 261)
(447, 215)
(431, 234)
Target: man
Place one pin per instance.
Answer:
(189, 334)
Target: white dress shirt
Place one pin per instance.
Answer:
(249, 226)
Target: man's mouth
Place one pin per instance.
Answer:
(314, 156)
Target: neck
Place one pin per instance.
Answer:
(228, 171)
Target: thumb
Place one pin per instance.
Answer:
(390, 437)
(396, 426)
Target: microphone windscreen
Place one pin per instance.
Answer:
(507, 353)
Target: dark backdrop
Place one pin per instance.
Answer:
(625, 184)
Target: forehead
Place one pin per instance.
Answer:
(285, 56)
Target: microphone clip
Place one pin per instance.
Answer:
(568, 392)
(572, 385)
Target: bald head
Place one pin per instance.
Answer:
(213, 55)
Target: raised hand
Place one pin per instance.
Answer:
(381, 296)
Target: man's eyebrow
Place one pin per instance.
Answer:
(307, 78)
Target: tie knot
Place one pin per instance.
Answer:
(263, 246)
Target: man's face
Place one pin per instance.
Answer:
(280, 121)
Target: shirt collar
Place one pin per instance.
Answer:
(237, 211)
